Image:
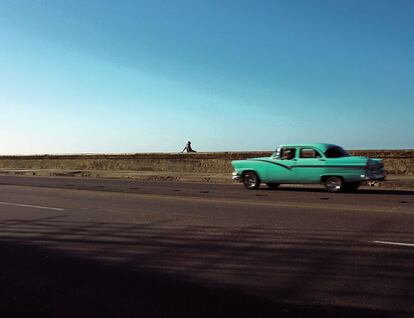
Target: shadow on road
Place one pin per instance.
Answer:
(319, 190)
(55, 268)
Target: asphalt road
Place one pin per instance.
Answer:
(74, 247)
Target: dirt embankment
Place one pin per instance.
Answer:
(398, 162)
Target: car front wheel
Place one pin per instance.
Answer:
(334, 184)
(251, 180)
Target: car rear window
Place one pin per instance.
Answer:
(336, 152)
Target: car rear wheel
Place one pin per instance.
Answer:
(334, 184)
(273, 185)
(251, 180)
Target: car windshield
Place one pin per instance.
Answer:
(336, 152)
(276, 154)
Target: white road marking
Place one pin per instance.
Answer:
(393, 243)
(32, 206)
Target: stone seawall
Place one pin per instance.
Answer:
(395, 161)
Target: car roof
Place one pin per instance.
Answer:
(320, 146)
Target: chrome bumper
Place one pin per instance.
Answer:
(236, 177)
(373, 177)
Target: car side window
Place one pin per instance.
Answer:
(309, 153)
(287, 153)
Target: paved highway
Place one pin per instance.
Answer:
(104, 248)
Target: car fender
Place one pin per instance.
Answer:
(242, 166)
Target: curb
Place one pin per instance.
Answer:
(394, 181)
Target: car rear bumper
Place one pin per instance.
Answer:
(373, 177)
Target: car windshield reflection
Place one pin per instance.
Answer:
(276, 154)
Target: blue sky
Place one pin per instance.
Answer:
(147, 76)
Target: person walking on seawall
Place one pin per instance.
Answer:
(188, 148)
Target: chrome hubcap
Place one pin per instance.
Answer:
(250, 180)
(334, 184)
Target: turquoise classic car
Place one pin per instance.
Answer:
(309, 163)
